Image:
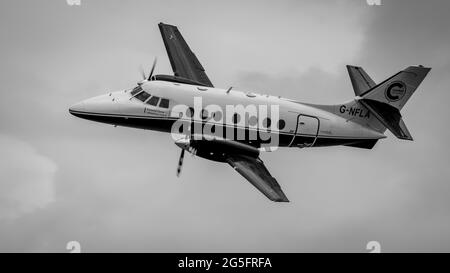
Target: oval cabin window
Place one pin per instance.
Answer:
(281, 124)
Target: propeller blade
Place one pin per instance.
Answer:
(153, 68)
(180, 163)
(192, 126)
(143, 73)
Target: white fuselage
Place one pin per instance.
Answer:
(303, 125)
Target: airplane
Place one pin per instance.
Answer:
(154, 104)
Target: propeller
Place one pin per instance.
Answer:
(144, 77)
(180, 163)
(143, 73)
(153, 69)
(185, 144)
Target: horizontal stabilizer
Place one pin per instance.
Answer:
(361, 82)
(389, 116)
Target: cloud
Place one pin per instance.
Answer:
(407, 32)
(117, 191)
(26, 178)
(314, 85)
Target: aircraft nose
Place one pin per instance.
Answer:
(77, 107)
(100, 105)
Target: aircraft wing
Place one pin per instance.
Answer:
(255, 172)
(184, 62)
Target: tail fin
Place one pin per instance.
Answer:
(397, 90)
(361, 82)
(386, 99)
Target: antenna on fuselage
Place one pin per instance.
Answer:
(229, 89)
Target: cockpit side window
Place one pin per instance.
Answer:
(164, 103)
(143, 96)
(153, 101)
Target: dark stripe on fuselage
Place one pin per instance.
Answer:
(164, 124)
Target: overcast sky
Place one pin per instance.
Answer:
(115, 189)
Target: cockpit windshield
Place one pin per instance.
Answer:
(136, 90)
(145, 97)
(153, 101)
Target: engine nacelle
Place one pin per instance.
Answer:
(216, 149)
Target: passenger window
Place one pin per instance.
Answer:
(281, 124)
(142, 96)
(164, 103)
(153, 101)
(236, 118)
(267, 122)
(217, 116)
(252, 121)
(190, 112)
(204, 114)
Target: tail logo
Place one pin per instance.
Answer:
(395, 91)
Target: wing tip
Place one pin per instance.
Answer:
(353, 66)
(162, 24)
(282, 200)
(279, 197)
